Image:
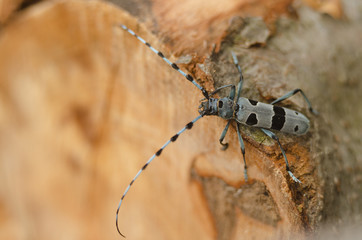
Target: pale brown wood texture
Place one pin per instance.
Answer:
(83, 105)
(7, 7)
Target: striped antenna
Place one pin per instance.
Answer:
(173, 65)
(158, 153)
(240, 85)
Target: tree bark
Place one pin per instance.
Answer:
(84, 104)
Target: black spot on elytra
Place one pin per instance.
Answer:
(253, 102)
(296, 129)
(221, 104)
(252, 120)
(279, 110)
(278, 119)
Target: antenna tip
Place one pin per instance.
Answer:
(118, 227)
(120, 232)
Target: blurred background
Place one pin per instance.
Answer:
(83, 106)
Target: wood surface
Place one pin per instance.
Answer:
(83, 105)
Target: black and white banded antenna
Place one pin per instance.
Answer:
(173, 65)
(158, 153)
(172, 139)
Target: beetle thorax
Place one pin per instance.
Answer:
(225, 108)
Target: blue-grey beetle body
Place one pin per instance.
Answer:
(257, 114)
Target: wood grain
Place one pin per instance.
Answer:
(83, 105)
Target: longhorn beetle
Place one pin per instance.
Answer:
(242, 110)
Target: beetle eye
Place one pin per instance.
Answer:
(221, 104)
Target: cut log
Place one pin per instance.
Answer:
(7, 7)
(84, 104)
